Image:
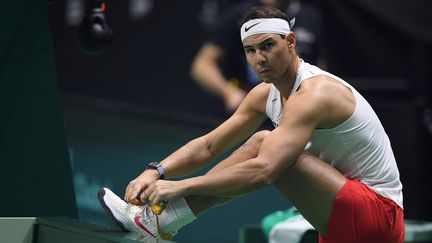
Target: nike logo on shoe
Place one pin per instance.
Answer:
(138, 222)
(164, 236)
(248, 28)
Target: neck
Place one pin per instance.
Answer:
(289, 78)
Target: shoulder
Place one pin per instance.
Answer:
(261, 89)
(309, 99)
(319, 85)
(324, 88)
(323, 99)
(257, 97)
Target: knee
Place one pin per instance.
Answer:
(257, 138)
(255, 141)
(305, 155)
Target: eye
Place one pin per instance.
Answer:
(250, 50)
(267, 46)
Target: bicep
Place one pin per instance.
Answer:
(282, 147)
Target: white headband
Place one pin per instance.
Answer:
(266, 26)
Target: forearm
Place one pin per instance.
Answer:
(190, 158)
(243, 178)
(274, 157)
(208, 75)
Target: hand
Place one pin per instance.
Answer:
(140, 184)
(163, 190)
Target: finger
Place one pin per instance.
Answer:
(156, 200)
(152, 197)
(132, 197)
(136, 200)
(149, 191)
(131, 189)
(143, 197)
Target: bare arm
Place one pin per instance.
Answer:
(279, 151)
(201, 151)
(207, 73)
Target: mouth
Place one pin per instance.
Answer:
(264, 70)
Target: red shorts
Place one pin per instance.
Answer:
(361, 215)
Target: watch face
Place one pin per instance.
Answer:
(153, 165)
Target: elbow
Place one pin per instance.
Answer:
(198, 66)
(198, 62)
(203, 146)
(204, 61)
(194, 69)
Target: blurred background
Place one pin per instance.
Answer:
(106, 112)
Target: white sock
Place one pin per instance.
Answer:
(176, 215)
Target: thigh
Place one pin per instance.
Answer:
(312, 185)
(361, 215)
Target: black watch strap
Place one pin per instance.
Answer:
(157, 166)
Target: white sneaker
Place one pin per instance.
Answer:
(129, 217)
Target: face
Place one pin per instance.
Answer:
(269, 56)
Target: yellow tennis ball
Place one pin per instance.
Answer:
(157, 208)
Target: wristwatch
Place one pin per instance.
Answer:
(157, 166)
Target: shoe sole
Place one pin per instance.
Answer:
(101, 195)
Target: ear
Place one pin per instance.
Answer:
(291, 39)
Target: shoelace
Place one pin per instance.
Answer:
(146, 212)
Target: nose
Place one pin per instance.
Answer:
(261, 59)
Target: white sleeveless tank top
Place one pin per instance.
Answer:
(358, 148)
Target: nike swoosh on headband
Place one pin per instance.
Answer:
(248, 28)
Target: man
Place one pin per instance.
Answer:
(220, 66)
(345, 183)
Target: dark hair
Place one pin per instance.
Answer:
(263, 12)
